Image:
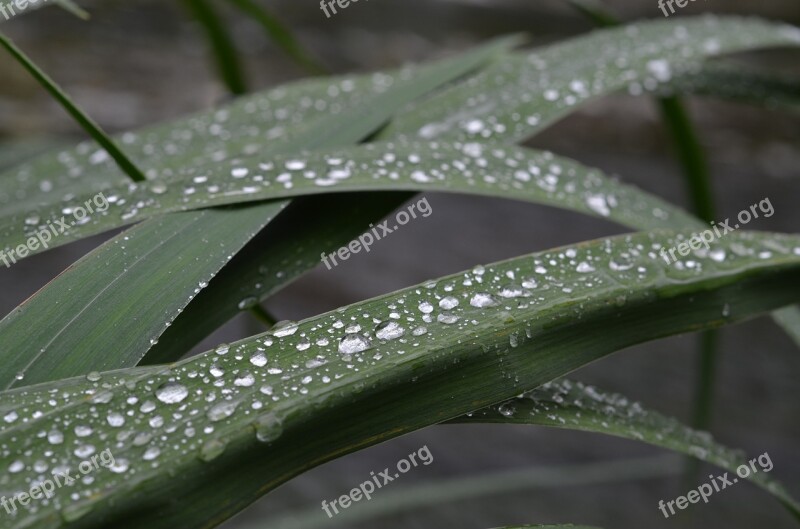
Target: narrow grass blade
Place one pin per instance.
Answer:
(279, 34)
(474, 168)
(576, 406)
(92, 128)
(75, 9)
(514, 99)
(222, 45)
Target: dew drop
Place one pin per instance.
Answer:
(389, 330)
(171, 393)
(222, 410)
(353, 343)
(482, 300)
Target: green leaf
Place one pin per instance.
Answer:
(515, 98)
(576, 406)
(69, 346)
(106, 275)
(474, 168)
(74, 331)
(92, 128)
(223, 428)
(277, 118)
(742, 83)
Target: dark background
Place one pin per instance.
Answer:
(137, 63)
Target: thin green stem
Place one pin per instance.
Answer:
(74, 8)
(690, 152)
(280, 34)
(222, 45)
(263, 316)
(94, 130)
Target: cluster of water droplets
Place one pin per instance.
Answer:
(539, 87)
(193, 409)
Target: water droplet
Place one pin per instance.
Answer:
(482, 300)
(119, 466)
(353, 343)
(115, 419)
(248, 303)
(448, 303)
(448, 318)
(598, 204)
(171, 393)
(259, 359)
(284, 328)
(511, 291)
(268, 428)
(222, 410)
(244, 380)
(83, 431)
(212, 449)
(425, 307)
(389, 330)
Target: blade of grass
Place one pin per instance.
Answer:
(92, 128)
(576, 406)
(243, 442)
(75, 9)
(280, 34)
(222, 45)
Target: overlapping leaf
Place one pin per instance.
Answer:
(365, 373)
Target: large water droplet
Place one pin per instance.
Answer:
(222, 410)
(284, 328)
(171, 393)
(354, 343)
(268, 428)
(482, 300)
(389, 330)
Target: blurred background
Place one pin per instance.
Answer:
(141, 62)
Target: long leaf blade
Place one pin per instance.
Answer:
(260, 421)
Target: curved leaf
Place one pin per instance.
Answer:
(514, 98)
(256, 410)
(474, 168)
(104, 276)
(576, 406)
